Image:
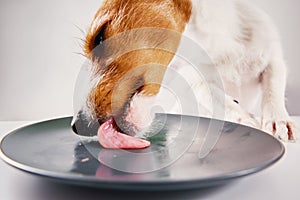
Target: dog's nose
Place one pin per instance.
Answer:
(83, 127)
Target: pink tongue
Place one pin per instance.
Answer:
(110, 138)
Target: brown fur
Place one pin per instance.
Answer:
(138, 71)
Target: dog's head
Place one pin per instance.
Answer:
(130, 44)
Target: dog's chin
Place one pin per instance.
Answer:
(134, 123)
(138, 116)
(127, 127)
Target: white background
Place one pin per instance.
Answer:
(40, 53)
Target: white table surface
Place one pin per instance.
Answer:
(281, 181)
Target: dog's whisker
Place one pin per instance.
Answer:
(78, 53)
(80, 29)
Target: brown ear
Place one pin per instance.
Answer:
(96, 32)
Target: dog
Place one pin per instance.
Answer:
(133, 47)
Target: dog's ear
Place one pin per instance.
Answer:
(96, 33)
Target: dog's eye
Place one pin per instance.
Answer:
(98, 43)
(99, 38)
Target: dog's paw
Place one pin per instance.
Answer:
(284, 130)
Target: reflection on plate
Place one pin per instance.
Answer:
(52, 150)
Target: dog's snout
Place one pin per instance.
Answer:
(83, 127)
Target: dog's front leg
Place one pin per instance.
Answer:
(275, 118)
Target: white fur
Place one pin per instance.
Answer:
(245, 64)
(140, 112)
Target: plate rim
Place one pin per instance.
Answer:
(164, 184)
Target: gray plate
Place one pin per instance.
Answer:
(50, 149)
